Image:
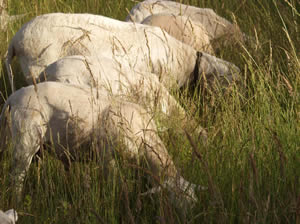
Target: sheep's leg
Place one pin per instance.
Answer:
(139, 135)
(167, 104)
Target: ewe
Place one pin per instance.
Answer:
(49, 37)
(39, 114)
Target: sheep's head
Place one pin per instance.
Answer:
(212, 70)
(180, 192)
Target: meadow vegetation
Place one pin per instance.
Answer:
(250, 163)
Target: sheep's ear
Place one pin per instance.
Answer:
(199, 55)
(197, 69)
(12, 214)
(198, 60)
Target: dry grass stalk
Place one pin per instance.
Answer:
(266, 209)
(288, 85)
(214, 191)
(127, 203)
(100, 220)
(280, 152)
(254, 169)
(298, 210)
(254, 175)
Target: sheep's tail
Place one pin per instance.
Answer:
(4, 126)
(9, 56)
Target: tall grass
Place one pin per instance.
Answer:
(250, 163)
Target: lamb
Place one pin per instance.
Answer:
(8, 217)
(215, 25)
(39, 114)
(112, 77)
(184, 29)
(49, 37)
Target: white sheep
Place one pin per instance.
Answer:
(184, 29)
(67, 116)
(49, 37)
(119, 80)
(215, 25)
(8, 217)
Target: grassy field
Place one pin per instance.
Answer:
(250, 164)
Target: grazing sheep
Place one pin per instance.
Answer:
(119, 80)
(68, 116)
(108, 75)
(215, 25)
(5, 19)
(49, 37)
(8, 217)
(184, 29)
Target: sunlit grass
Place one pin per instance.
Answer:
(250, 164)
